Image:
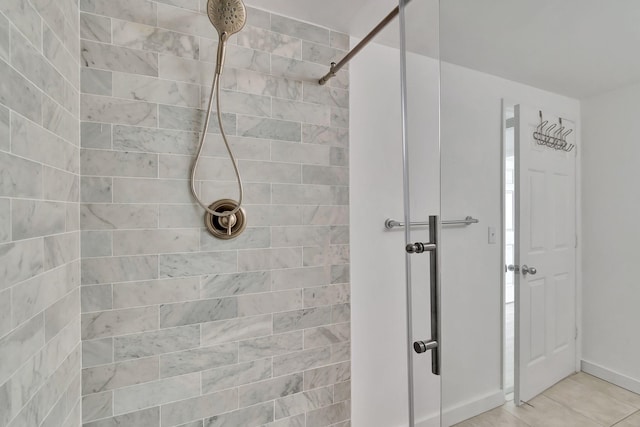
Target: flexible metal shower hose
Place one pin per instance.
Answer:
(215, 91)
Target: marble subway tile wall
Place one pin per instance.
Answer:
(178, 328)
(40, 349)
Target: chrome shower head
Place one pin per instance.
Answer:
(227, 16)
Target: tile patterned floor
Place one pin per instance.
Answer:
(578, 401)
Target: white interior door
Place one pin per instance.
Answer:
(545, 341)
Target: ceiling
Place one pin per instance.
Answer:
(578, 48)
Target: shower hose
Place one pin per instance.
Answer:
(215, 92)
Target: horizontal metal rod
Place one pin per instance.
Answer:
(365, 41)
(390, 223)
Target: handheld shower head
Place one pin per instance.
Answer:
(228, 17)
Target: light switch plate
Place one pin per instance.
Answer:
(492, 235)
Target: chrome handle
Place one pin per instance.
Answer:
(434, 285)
(528, 270)
(513, 268)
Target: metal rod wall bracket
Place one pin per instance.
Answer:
(391, 223)
(365, 41)
(434, 285)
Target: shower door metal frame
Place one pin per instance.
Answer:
(432, 247)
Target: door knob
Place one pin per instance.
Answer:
(528, 270)
(513, 268)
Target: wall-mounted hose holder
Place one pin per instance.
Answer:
(225, 227)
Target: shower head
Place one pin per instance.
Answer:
(228, 17)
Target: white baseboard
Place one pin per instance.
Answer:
(613, 377)
(464, 411)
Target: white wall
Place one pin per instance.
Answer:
(379, 345)
(610, 209)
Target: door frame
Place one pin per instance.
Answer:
(506, 102)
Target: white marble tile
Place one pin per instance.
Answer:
(199, 359)
(135, 294)
(61, 58)
(119, 269)
(201, 311)
(253, 416)
(96, 82)
(117, 58)
(196, 408)
(222, 285)
(297, 70)
(192, 120)
(266, 303)
(116, 216)
(61, 249)
(255, 393)
(29, 61)
(142, 11)
(25, 18)
(22, 343)
(119, 111)
(252, 237)
(33, 142)
(96, 298)
(118, 163)
(144, 418)
(325, 135)
(19, 94)
(31, 218)
(301, 112)
(20, 177)
(156, 393)
(95, 28)
(119, 322)
(95, 135)
(256, 127)
(238, 57)
(148, 140)
(275, 345)
(117, 375)
(300, 30)
(185, 265)
(329, 415)
(96, 189)
(301, 403)
(236, 329)
(327, 375)
(97, 406)
(60, 121)
(327, 335)
(301, 361)
(269, 41)
(150, 89)
(326, 295)
(185, 21)
(267, 85)
(153, 343)
(149, 190)
(154, 39)
(5, 312)
(326, 95)
(301, 319)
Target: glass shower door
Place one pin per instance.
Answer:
(420, 78)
